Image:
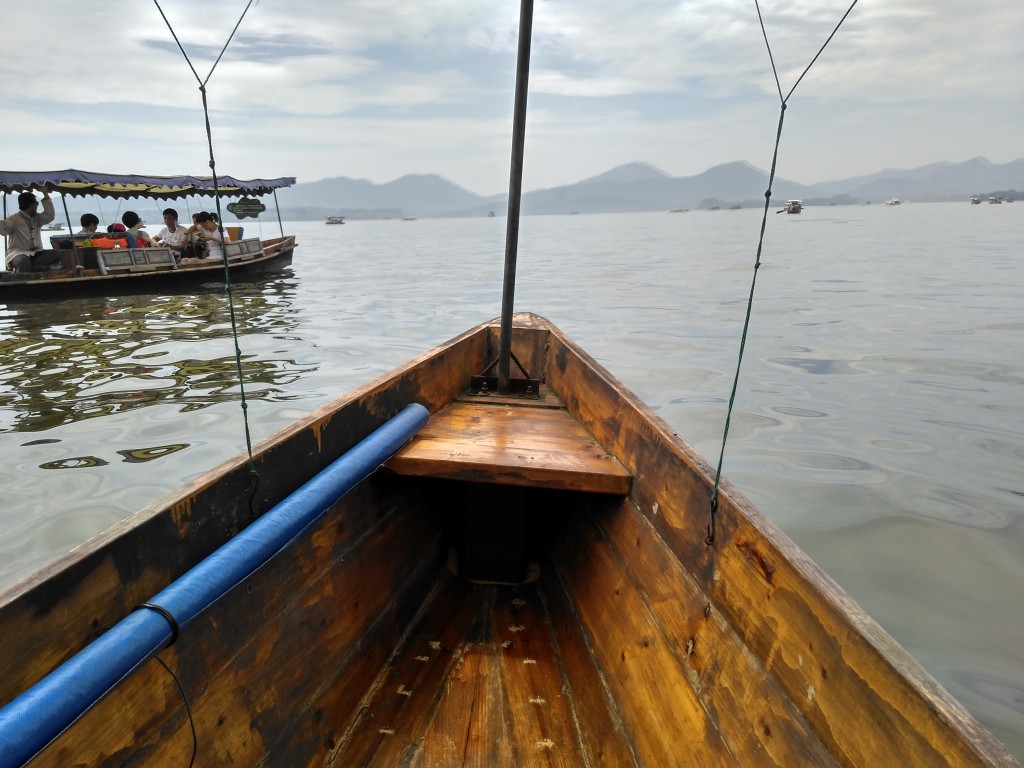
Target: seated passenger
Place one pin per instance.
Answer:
(206, 230)
(89, 224)
(131, 220)
(173, 235)
(117, 233)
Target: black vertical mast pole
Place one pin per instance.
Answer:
(515, 189)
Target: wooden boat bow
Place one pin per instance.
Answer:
(634, 644)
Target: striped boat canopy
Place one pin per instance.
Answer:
(82, 183)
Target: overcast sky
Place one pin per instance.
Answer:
(380, 88)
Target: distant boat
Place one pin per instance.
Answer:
(409, 218)
(975, 201)
(995, 201)
(793, 206)
(335, 220)
(111, 263)
(490, 214)
(735, 207)
(892, 201)
(52, 228)
(679, 210)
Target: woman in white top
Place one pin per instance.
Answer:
(205, 229)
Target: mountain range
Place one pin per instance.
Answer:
(639, 186)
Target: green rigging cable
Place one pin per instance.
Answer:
(710, 536)
(253, 474)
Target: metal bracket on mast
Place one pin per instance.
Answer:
(485, 384)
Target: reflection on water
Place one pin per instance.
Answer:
(124, 354)
(879, 419)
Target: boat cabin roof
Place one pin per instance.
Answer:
(81, 183)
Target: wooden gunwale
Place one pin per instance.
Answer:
(49, 615)
(837, 665)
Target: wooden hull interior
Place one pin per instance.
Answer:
(625, 639)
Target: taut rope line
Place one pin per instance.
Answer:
(254, 475)
(710, 537)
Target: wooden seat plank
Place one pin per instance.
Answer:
(511, 445)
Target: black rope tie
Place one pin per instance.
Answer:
(175, 628)
(709, 538)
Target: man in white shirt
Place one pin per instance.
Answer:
(22, 230)
(173, 235)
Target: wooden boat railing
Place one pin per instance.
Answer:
(31, 721)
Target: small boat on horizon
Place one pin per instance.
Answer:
(893, 201)
(335, 220)
(793, 206)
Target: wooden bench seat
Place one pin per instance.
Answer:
(243, 250)
(526, 444)
(116, 261)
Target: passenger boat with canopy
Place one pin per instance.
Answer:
(494, 555)
(111, 265)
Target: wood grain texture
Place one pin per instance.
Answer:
(757, 720)
(511, 445)
(868, 701)
(49, 616)
(665, 721)
(603, 738)
(253, 664)
(476, 682)
(539, 707)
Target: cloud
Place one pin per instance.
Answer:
(384, 87)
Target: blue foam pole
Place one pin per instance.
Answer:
(40, 714)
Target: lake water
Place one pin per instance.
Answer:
(879, 419)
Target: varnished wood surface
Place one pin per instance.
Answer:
(511, 445)
(276, 669)
(862, 694)
(477, 682)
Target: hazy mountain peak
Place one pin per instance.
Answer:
(736, 165)
(630, 172)
(640, 186)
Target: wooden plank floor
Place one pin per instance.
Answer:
(476, 682)
(521, 444)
